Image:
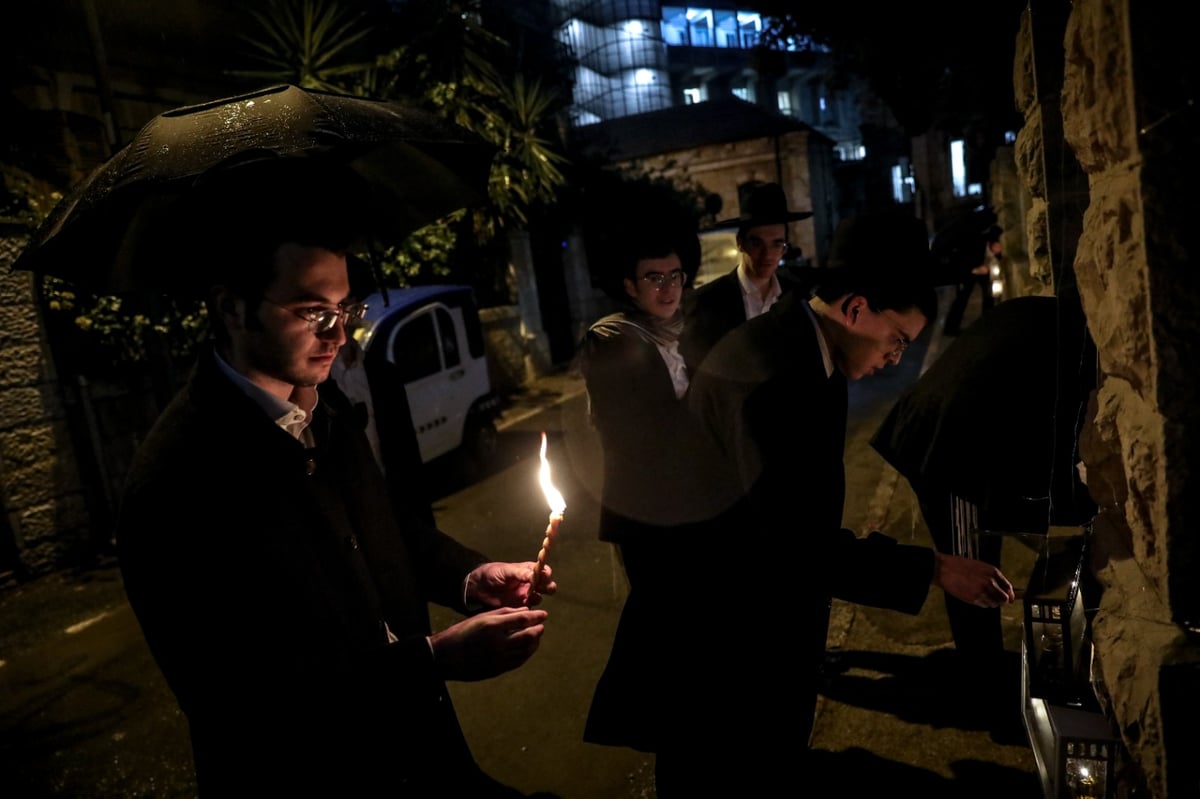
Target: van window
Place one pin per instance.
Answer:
(415, 348)
(449, 338)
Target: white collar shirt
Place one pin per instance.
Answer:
(289, 416)
(752, 299)
(826, 355)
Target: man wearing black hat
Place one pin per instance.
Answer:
(772, 394)
(754, 286)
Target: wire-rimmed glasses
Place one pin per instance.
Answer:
(322, 320)
(676, 277)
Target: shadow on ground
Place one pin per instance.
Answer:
(858, 773)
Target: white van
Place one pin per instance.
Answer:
(433, 334)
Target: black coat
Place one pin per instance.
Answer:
(657, 500)
(995, 420)
(781, 424)
(262, 574)
(717, 307)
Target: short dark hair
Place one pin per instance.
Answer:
(241, 217)
(882, 291)
(649, 241)
(884, 257)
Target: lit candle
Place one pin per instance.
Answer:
(557, 505)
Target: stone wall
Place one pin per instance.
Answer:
(41, 488)
(1139, 291)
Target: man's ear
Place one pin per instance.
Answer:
(630, 288)
(853, 307)
(225, 302)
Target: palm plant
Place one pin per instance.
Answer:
(307, 42)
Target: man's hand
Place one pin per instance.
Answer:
(487, 644)
(506, 585)
(973, 581)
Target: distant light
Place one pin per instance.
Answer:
(634, 27)
(958, 167)
(995, 270)
(997, 288)
(1010, 136)
(643, 77)
(564, 244)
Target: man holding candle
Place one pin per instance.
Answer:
(283, 592)
(773, 395)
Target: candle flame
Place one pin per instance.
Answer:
(553, 498)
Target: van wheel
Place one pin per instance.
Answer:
(480, 444)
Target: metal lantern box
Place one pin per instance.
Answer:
(1078, 751)
(1055, 626)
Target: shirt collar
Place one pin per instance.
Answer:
(774, 290)
(288, 415)
(826, 356)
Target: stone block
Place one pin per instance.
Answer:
(24, 365)
(1029, 154)
(1037, 233)
(1110, 271)
(21, 406)
(1097, 96)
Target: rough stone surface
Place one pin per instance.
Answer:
(1029, 152)
(1037, 230)
(1098, 105)
(1110, 266)
(1135, 446)
(505, 347)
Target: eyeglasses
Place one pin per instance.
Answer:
(755, 243)
(322, 320)
(675, 277)
(899, 341)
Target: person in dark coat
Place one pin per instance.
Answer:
(987, 438)
(282, 595)
(964, 251)
(655, 506)
(754, 285)
(773, 396)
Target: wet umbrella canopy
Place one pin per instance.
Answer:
(398, 168)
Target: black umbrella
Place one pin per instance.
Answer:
(400, 169)
(997, 415)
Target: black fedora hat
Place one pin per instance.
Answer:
(765, 204)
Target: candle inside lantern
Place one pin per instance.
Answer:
(557, 505)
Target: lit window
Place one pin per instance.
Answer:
(974, 188)
(784, 101)
(643, 77)
(958, 167)
(692, 94)
(898, 184)
(674, 25)
(634, 27)
(700, 24)
(742, 93)
(726, 27)
(749, 27)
